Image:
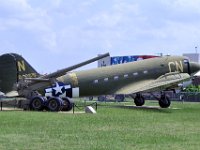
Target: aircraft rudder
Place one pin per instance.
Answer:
(24, 69)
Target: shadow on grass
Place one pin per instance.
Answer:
(146, 108)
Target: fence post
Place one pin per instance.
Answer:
(73, 108)
(1, 106)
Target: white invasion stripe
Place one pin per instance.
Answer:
(75, 92)
(48, 94)
(63, 95)
(67, 86)
(48, 90)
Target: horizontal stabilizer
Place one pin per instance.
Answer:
(12, 94)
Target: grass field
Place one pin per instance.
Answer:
(111, 128)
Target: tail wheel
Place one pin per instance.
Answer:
(164, 101)
(67, 104)
(54, 104)
(139, 100)
(37, 103)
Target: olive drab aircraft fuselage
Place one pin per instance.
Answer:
(54, 91)
(127, 78)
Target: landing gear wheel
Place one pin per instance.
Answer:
(139, 100)
(37, 103)
(67, 104)
(54, 104)
(164, 101)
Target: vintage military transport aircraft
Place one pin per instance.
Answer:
(54, 91)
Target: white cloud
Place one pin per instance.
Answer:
(14, 5)
(104, 19)
(117, 14)
(20, 16)
(192, 5)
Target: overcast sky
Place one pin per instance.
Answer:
(52, 34)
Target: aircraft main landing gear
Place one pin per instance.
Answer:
(54, 104)
(139, 100)
(37, 103)
(67, 104)
(40, 103)
(164, 101)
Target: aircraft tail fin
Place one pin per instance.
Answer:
(24, 68)
(13, 67)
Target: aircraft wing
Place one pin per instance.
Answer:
(169, 80)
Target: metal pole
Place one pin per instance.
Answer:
(73, 108)
(1, 106)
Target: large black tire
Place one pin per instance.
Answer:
(139, 100)
(54, 104)
(119, 98)
(37, 103)
(67, 104)
(164, 101)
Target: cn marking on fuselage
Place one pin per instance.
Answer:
(177, 65)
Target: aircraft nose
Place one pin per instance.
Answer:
(194, 67)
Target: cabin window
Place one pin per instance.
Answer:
(116, 77)
(96, 81)
(135, 73)
(106, 79)
(145, 72)
(126, 76)
(162, 65)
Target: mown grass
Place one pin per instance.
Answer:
(111, 128)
